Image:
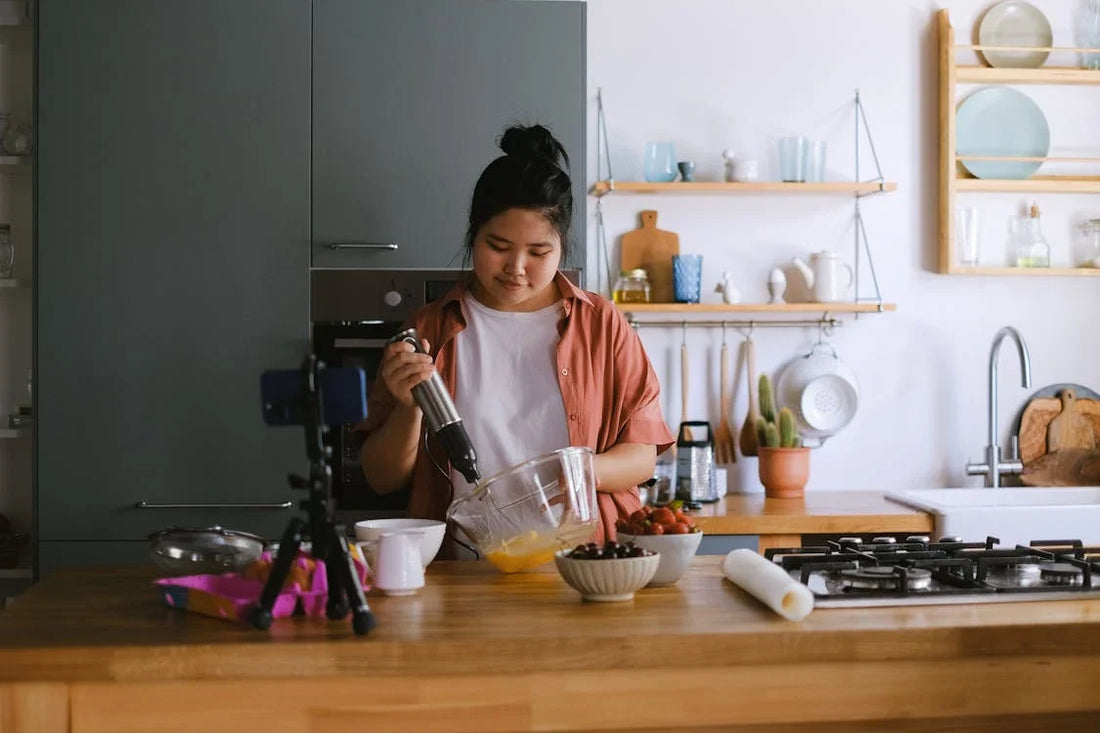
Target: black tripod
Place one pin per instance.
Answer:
(344, 589)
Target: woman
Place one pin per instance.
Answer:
(534, 363)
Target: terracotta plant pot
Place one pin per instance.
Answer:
(784, 471)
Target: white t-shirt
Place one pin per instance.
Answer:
(506, 386)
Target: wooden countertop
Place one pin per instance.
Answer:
(95, 651)
(110, 624)
(820, 512)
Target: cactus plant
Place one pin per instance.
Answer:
(772, 432)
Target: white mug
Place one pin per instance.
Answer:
(394, 561)
(828, 286)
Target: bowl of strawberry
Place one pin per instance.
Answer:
(667, 531)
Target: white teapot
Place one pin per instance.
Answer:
(823, 276)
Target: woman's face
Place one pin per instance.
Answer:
(515, 257)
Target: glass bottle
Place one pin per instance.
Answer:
(1033, 249)
(1090, 245)
(632, 287)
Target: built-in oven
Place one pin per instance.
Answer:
(353, 313)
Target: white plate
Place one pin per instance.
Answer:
(1015, 23)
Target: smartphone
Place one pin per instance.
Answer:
(343, 396)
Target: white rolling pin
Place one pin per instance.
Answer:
(769, 583)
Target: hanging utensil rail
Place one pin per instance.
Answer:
(825, 323)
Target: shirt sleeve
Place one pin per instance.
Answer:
(635, 382)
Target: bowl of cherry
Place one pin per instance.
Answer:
(611, 572)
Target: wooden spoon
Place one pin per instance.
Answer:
(748, 430)
(684, 387)
(724, 450)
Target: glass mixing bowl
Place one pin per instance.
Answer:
(520, 517)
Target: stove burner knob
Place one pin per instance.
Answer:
(922, 539)
(850, 541)
(884, 541)
(951, 539)
(392, 298)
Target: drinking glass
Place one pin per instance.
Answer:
(815, 161)
(687, 277)
(967, 235)
(1086, 32)
(659, 165)
(792, 159)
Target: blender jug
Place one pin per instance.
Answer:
(520, 517)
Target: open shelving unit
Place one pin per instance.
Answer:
(858, 188)
(954, 179)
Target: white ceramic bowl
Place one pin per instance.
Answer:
(828, 403)
(794, 378)
(429, 531)
(675, 551)
(607, 580)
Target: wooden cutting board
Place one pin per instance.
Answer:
(652, 249)
(1053, 424)
(1073, 467)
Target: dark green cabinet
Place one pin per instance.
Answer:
(172, 217)
(195, 159)
(408, 101)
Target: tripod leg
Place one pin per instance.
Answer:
(260, 615)
(339, 602)
(344, 583)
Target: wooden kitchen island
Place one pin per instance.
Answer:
(784, 522)
(96, 651)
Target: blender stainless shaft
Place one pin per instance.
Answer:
(441, 415)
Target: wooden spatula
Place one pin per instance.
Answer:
(724, 450)
(748, 430)
(684, 389)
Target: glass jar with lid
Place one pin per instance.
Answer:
(632, 287)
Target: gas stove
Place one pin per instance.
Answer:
(917, 571)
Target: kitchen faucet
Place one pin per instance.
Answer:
(994, 466)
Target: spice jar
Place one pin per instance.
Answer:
(1089, 251)
(632, 287)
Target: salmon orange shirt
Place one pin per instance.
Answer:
(608, 387)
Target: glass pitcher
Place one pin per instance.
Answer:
(520, 517)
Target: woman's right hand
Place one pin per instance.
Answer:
(403, 368)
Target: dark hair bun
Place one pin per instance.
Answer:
(534, 142)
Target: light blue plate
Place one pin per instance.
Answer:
(1001, 121)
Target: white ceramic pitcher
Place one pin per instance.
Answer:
(394, 560)
(823, 276)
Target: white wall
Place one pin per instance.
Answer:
(712, 74)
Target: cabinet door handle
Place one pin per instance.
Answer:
(362, 245)
(214, 505)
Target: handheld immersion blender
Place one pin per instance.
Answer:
(442, 416)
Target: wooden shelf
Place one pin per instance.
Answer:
(846, 307)
(602, 188)
(1027, 271)
(15, 162)
(10, 433)
(953, 182)
(11, 283)
(1038, 184)
(1050, 75)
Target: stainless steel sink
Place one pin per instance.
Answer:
(1014, 515)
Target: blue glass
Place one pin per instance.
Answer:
(659, 165)
(687, 277)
